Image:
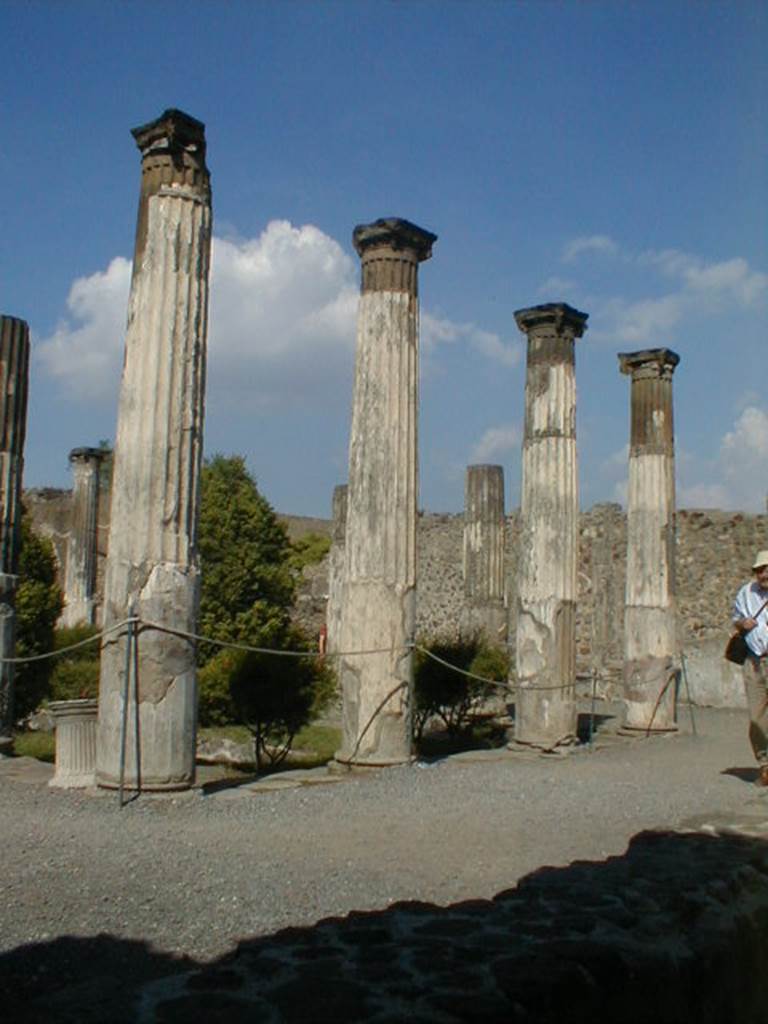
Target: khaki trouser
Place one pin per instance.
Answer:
(755, 673)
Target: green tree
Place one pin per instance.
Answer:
(308, 550)
(247, 587)
(39, 602)
(276, 696)
(247, 595)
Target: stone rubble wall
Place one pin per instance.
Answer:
(714, 552)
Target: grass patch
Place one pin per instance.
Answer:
(313, 746)
(41, 745)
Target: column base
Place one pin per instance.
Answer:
(145, 787)
(642, 730)
(340, 766)
(561, 748)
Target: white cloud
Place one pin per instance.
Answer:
(591, 243)
(496, 442)
(700, 286)
(736, 477)
(556, 286)
(85, 351)
(636, 322)
(436, 330)
(282, 323)
(731, 278)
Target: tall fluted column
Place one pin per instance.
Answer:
(152, 564)
(14, 378)
(650, 644)
(336, 568)
(483, 561)
(545, 706)
(80, 576)
(379, 590)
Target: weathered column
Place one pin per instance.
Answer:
(545, 704)
(336, 568)
(80, 576)
(650, 644)
(379, 590)
(483, 561)
(152, 564)
(14, 377)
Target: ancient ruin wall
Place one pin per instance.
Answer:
(714, 550)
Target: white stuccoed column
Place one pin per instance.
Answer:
(545, 704)
(650, 641)
(14, 380)
(152, 564)
(336, 568)
(379, 590)
(82, 553)
(483, 554)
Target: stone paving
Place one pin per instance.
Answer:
(675, 929)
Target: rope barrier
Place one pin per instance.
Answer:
(71, 647)
(136, 625)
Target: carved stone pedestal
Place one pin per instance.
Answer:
(75, 743)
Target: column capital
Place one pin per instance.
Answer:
(173, 132)
(173, 158)
(88, 454)
(395, 234)
(552, 316)
(649, 363)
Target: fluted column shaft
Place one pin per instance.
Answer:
(152, 565)
(483, 553)
(80, 575)
(650, 643)
(545, 706)
(14, 378)
(379, 590)
(336, 568)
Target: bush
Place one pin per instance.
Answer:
(452, 696)
(215, 707)
(39, 602)
(75, 674)
(275, 696)
(308, 550)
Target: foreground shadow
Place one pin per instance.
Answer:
(674, 930)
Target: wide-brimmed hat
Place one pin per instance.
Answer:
(761, 558)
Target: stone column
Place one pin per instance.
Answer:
(650, 644)
(336, 568)
(152, 563)
(379, 591)
(82, 552)
(14, 377)
(545, 704)
(483, 562)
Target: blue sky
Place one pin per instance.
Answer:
(610, 155)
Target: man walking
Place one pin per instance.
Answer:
(750, 616)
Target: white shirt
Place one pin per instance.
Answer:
(746, 605)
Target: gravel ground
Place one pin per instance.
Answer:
(193, 874)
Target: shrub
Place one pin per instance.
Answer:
(75, 674)
(215, 706)
(453, 697)
(39, 602)
(275, 696)
(308, 550)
